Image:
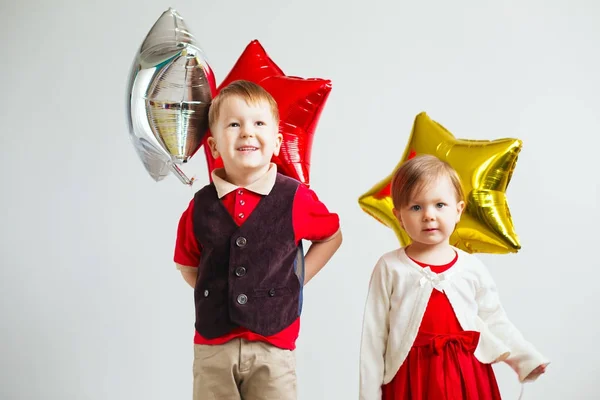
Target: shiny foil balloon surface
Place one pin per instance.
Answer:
(300, 103)
(170, 90)
(485, 168)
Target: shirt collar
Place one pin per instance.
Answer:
(261, 186)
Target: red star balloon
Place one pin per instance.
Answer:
(300, 102)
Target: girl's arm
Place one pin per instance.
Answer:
(375, 333)
(524, 358)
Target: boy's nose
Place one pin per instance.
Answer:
(247, 131)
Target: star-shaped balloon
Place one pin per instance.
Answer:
(485, 168)
(300, 102)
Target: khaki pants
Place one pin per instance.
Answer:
(243, 370)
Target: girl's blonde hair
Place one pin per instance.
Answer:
(414, 174)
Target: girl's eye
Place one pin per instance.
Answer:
(415, 208)
(260, 123)
(440, 205)
(234, 125)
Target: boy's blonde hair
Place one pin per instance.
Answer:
(250, 92)
(414, 174)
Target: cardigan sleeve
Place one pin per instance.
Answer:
(375, 332)
(524, 357)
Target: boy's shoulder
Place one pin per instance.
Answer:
(287, 178)
(204, 195)
(281, 178)
(209, 187)
(286, 182)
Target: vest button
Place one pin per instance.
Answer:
(242, 299)
(241, 241)
(240, 271)
(206, 292)
(272, 292)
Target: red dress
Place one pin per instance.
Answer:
(441, 364)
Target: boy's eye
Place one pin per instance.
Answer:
(415, 208)
(260, 123)
(440, 205)
(234, 125)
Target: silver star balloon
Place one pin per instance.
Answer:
(170, 90)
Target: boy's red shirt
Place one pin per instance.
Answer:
(311, 221)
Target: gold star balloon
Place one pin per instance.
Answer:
(485, 168)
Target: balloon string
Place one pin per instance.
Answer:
(181, 175)
(522, 391)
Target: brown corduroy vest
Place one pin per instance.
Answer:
(246, 274)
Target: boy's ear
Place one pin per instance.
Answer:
(212, 145)
(278, 141)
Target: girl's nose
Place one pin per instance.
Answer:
(429, 214)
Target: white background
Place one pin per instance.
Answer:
(91, 305)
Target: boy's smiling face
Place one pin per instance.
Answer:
(245, 136)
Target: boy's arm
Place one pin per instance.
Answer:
(187, 248)
(190, 274)
(315, 223)
(319, 254)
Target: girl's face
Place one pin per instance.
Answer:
(431, 215)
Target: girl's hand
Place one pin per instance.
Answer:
(538, 371)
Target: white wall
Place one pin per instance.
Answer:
(91, 306)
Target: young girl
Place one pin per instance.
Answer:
(433, 322)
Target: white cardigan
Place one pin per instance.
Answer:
(399, 291)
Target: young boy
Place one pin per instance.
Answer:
(238, 246)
